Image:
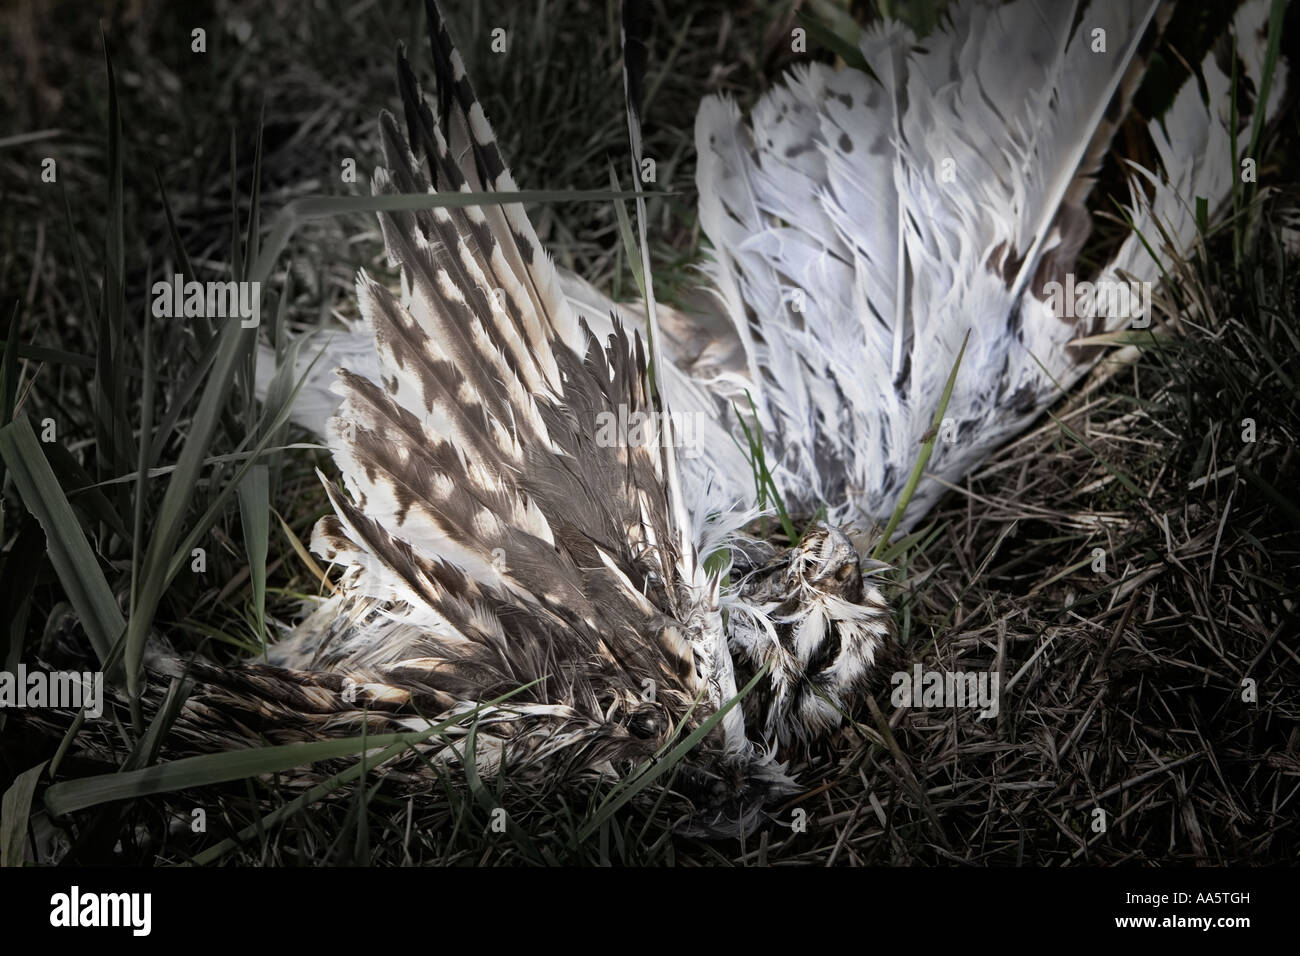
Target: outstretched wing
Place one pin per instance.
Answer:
(862, 226)
(511, 513)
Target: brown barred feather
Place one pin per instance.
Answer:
(496, 543)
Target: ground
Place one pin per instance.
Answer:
(1128, 568)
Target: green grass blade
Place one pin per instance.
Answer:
(9, 372)
(111, 375)
(74, 561)
(1277, 13)
(923, 459)
(83, 280)
(142, 459)
(766, 484)
(217, 505)
(169, 524)
(82, 491)
(203, 330)
(205, 770)
(255, 516)
(180, 400)
(18, 575)
(891, 554)
(15, 809)
(40, 353)
(35, 136)
(238, 272)
(1233, 123)
(836, 30)
(253, 234)
(626, 237)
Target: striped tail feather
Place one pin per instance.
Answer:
(255, 704)
(499, 529)
(492, 538)
(522, 258)
(713, 459)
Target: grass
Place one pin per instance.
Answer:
(1122, 689)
